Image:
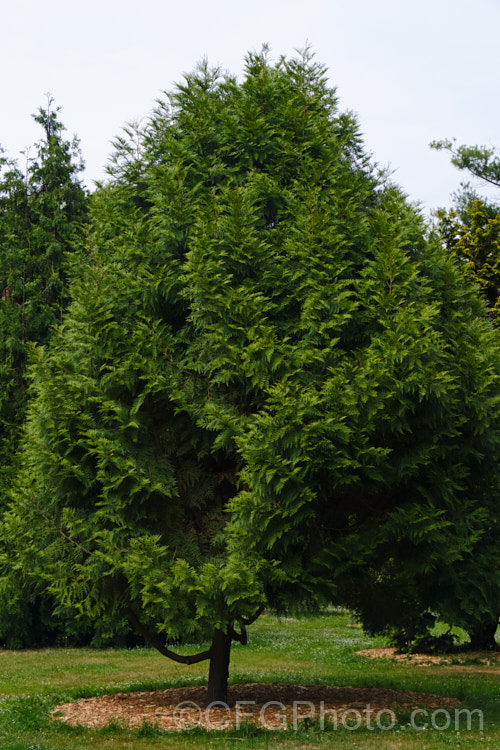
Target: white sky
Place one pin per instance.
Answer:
(412, 71)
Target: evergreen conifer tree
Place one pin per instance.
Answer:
(42, 214)
(266, 376)
(471, 232)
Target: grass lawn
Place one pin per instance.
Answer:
(313, 650)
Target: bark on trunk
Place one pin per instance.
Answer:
(219, 667)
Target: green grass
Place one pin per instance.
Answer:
(312, 650)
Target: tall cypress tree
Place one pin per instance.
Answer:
(41, 213)
(266, 374)
(43, 210)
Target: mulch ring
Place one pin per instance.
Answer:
(488, 658)
(272, 706)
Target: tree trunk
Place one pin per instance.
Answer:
(482, 636)
(219, 667)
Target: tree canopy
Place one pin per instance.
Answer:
(480, 161)
(471, 232)
(41, 211)
(471, 229)
(267, 379)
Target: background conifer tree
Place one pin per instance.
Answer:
(43, 210)
(41, 213)
(471, 229)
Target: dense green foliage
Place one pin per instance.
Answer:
(472, 234)
(268, 382)
(43, 217)
(471, 230)
(41, 212)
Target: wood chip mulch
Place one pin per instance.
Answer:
(162, 707)
(487, 658)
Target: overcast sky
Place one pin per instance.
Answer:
(412, 71)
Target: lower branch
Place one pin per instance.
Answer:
(240, 637)
(251, 620)
(153, 641)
